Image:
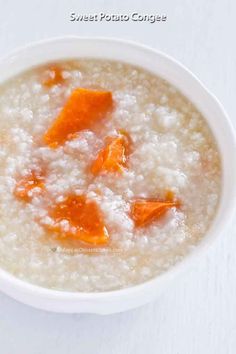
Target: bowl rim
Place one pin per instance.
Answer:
(173, 271)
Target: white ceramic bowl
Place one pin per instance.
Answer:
(166, 67)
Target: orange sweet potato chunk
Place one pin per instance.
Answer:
(24, 187)
(83, 108)
(113, 157)
(145, 211)
(52, 76)
(84, 221)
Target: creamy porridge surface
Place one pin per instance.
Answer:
(172, 150)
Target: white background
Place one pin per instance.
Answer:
(197, 314)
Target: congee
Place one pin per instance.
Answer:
(109, 176)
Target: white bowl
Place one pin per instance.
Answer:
(166, 67)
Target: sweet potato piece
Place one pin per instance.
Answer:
(83, 219)
(169, 196)
(25, 186)
(113, 157)
(83, 108)
(53, 76)
(144, 211)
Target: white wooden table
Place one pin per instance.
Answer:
(197, 315)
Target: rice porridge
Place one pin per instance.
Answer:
(108, 176)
